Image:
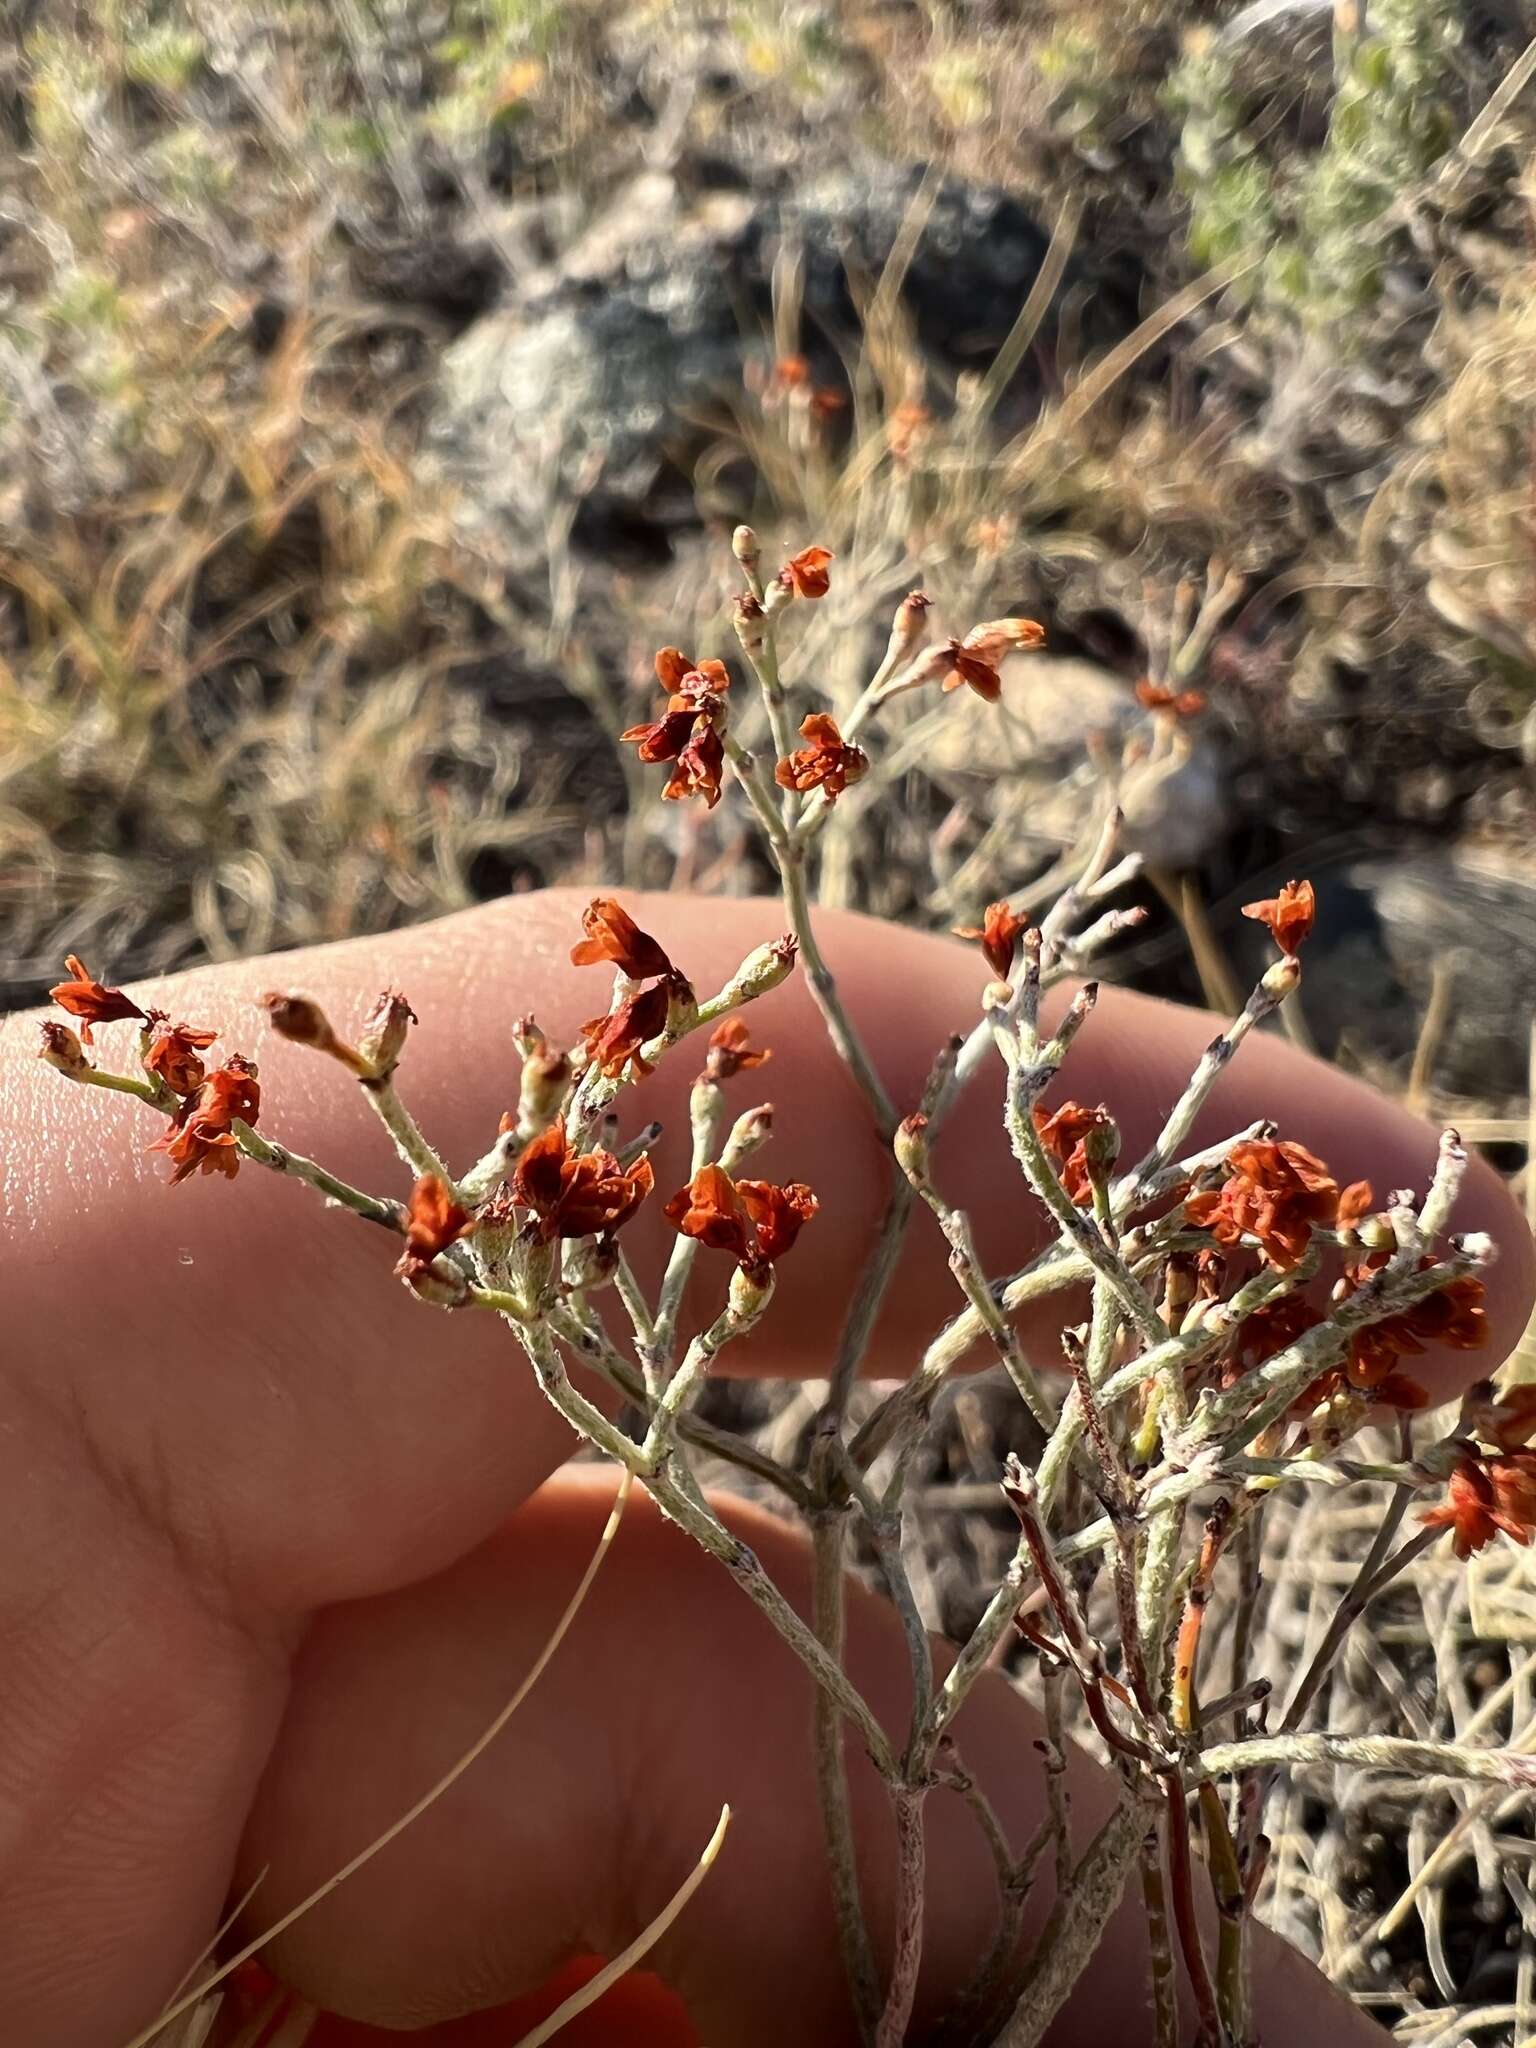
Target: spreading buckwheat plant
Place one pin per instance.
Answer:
(1247, 1317)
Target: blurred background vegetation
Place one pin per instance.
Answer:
(379, 385)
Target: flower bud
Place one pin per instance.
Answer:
(751, 1292)
(527, 1036)
(763, 969)
(750, 1132)
(301, 1021)
(546, 1073)
(911, 1147)
(382, 1039)
(1283, 979)
(910, 626)
(439, 1284)
(779, 593)
(745, 548)
(62, 1049)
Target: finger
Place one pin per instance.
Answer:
(671, 1697)
(337, 1355)
(639, 2011)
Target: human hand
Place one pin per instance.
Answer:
(277, 1544)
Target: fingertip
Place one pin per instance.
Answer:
(1488, 1205)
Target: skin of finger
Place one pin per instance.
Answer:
(364, 1440)
(671, 1698)
(640, 2011)
(135, 1717)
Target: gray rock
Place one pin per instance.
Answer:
(588, 384)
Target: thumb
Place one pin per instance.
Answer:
(670, 1697)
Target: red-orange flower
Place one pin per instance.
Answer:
(664, 738)
(686, 732)
(613, 935)
(807, 572)
(1485, 1497)
(695, 682)
(577, 1194)
(434, 1220)
(828, 763)
(729, 1053)
(91, 1001)
(1274, 1191)
(1064, 1134)
(612, 1041)
(1158, 697)
(1274, 1328)
(993, 639)
(778, 1214)
(1454, 1315)
(998, 935)
(200, 1137)
(700, 761)
(962, 666)
(1289, 916)
(755, 1220)
(707, 1209)
(977, 659)
(173, 1057)
(1397, 1390)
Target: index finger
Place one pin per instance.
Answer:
(468, 976)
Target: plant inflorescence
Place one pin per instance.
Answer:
(1248, 1316)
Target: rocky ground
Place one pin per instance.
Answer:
(380, 385)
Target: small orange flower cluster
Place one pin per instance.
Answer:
(1275, 1192)
(754, 1220)
(827, 763)
(91, 1001)
(1065, 1134)
(577, 1194)
(806, 574)
(613, 936)
(998, 936)
(729, 1052)
(1454, 1316)
(200, 1136)
(977, 659)
(1289, 916)
(689, 732)
(434, 1220)
(1492, 1488)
